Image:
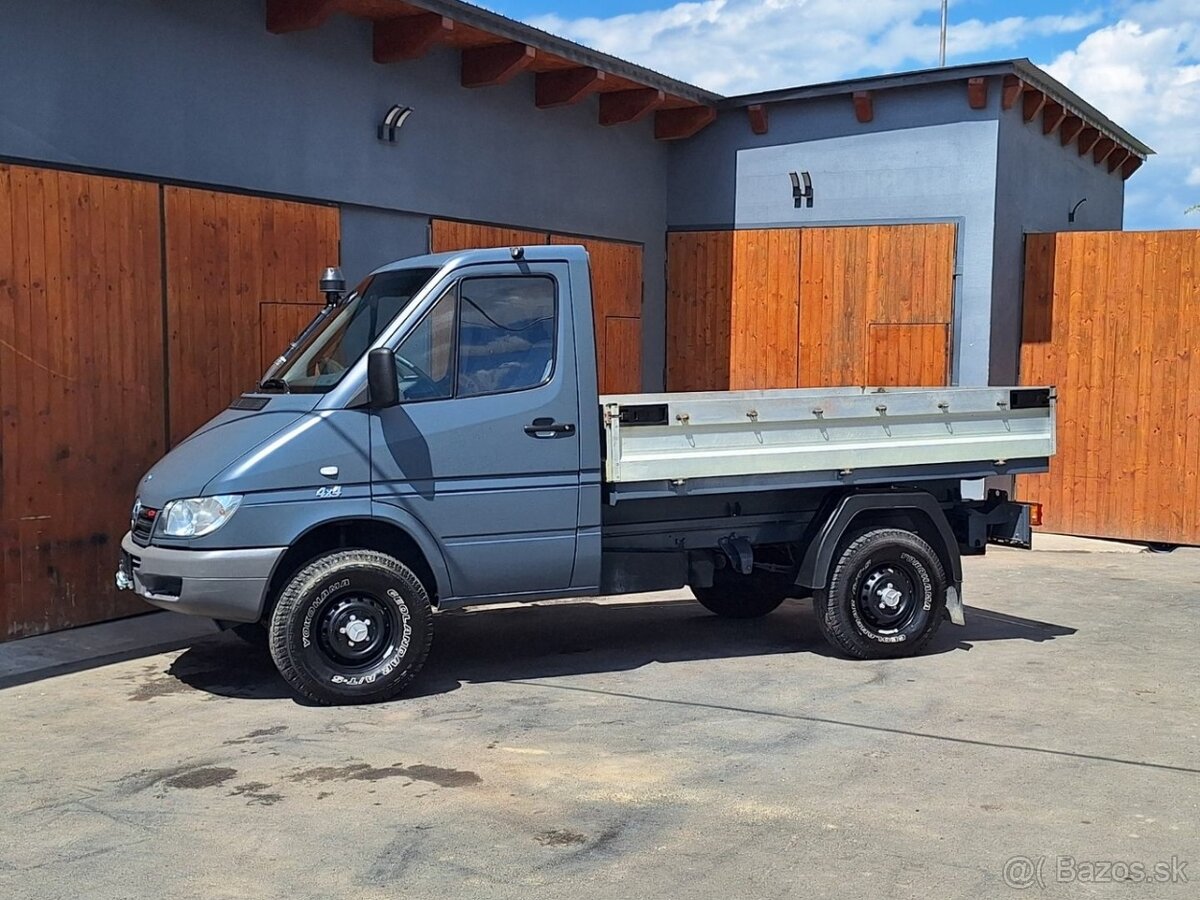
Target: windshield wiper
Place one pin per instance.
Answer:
(274, 385)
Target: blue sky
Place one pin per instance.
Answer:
(1136, 60)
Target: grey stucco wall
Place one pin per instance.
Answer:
(202, 92)
(926, 156)
(1038, 182)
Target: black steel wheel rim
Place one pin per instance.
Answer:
(887, 596)
(355, 630)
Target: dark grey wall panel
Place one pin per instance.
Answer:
(203, 92)
(1038, 182)
(374, 237)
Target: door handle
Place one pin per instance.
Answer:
(548, 428)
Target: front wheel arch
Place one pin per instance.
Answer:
(359, 533)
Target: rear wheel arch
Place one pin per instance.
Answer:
(913, 511)
(361, 533)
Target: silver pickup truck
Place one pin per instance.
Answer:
(435, 439)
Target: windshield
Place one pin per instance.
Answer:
(339, 340)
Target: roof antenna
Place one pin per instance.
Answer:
(942, 45)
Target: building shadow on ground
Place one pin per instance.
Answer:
(583, 637)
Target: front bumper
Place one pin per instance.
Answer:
(220, 584)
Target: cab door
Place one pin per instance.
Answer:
(484, 445)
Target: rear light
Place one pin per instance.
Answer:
(1035, 514)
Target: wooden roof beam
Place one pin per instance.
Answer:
(1013, 87)
(864, 106)
(760, 122)
(411, 37)
(1071, 127)
(1103, 148)
(1052, 117)
(1087, 140)
(1117, 158)
(563, 87)
(677, 124)
(495, 64)
(1131, 165)
(284, 16)
(621, 107)
(977, 92)
(1032, 103)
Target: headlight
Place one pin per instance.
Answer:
(200, 515)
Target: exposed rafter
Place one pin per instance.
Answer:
(1071, 127)
(677, 124)
(760, 121)
(1032, 102)
(1087, 140)
(284, 16)
(1103, 147)
(1131, 165)
(1013, 86)
(864, 106)
(495, 64)
(620, 107)
(411, 37)
(1053, 115)
(563, 87)
(1117, 158)
(977, 92)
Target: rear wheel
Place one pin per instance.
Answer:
(351, 627)
(885, 597)
(737, 596)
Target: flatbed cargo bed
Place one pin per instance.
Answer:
(713, 442)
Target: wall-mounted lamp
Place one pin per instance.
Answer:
(393, 122)
(1075, 209)
(803, 196)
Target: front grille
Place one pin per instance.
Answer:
(143, 525)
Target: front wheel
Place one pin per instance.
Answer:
(351, 627)
(885, 597)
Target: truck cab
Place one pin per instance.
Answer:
(436, 439)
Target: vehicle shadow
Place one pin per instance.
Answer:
(581, 637)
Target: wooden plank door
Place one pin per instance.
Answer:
(446, 235)
(699, 303)
(616, 310)
(1112, 319)
(227, 255)
(876, 304)
(81, 389)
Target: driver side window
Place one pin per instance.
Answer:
(425, 358)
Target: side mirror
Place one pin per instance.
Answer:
(383, 382)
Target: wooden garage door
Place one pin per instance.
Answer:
(1112, 319)
(617, 279)
(237, 266)
(81, 388)
(810, 307)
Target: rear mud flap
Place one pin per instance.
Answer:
(954, 605)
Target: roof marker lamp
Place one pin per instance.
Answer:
(199, 516)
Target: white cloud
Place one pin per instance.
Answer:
(1143, 72)
(739, 46)
(1137, 62)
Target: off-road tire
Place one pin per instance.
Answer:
(737, 596)
(844, 605)
(304, 635)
